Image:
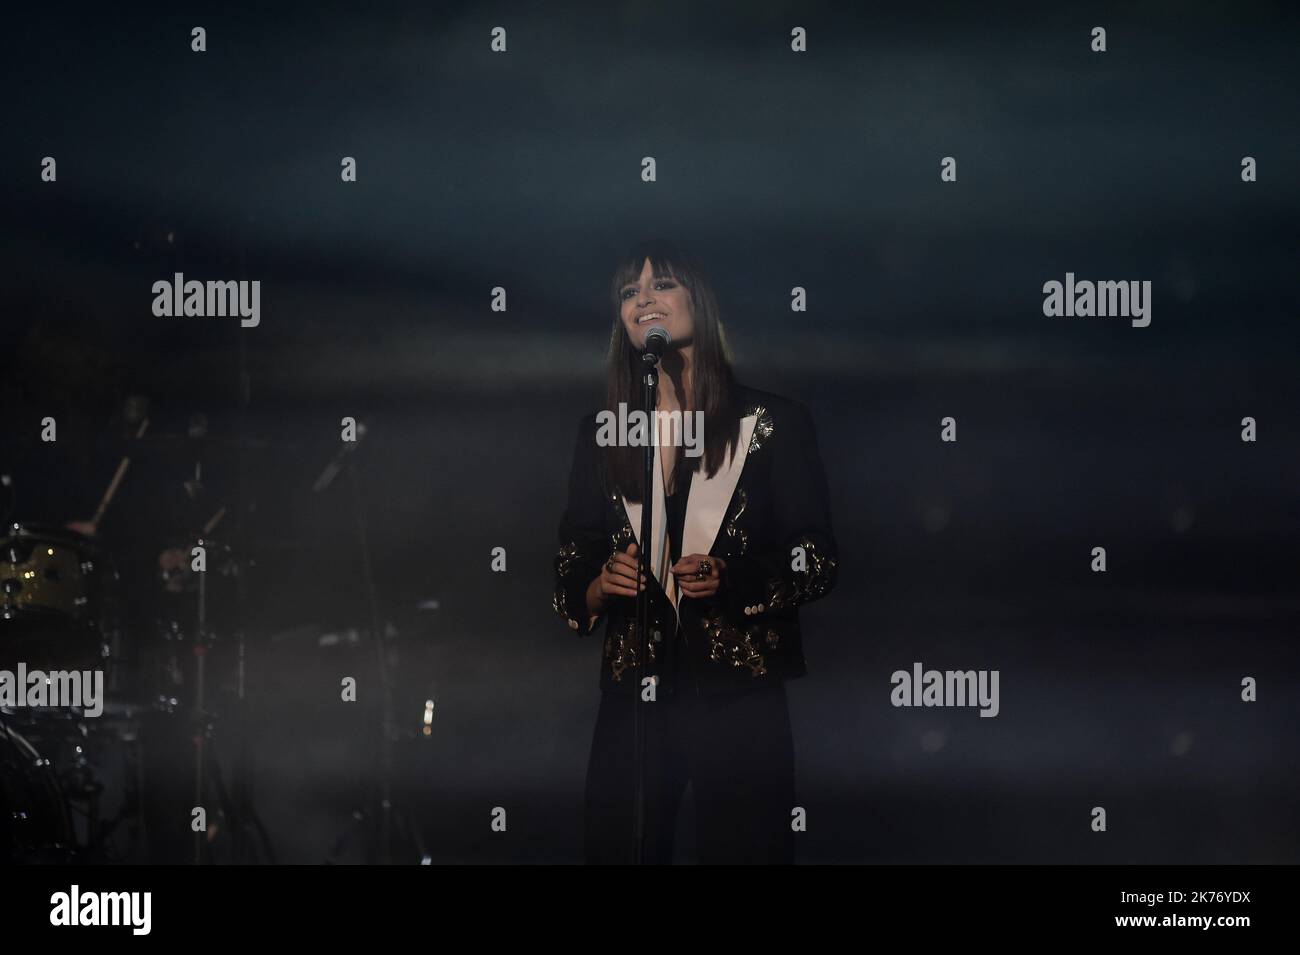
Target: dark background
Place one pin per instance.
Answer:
(821, 170)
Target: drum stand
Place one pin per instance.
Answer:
(203, 750)
(246, 828)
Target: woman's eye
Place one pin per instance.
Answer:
(667, 284)
(627, 292)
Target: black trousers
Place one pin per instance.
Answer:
(737, 753)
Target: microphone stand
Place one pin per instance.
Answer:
(650, 380)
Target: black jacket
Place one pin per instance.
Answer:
(767, 515)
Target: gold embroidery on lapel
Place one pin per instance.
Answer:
(763, 427)
(738, 534)
(619, 540)
(621, 646)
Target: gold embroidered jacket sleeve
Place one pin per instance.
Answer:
(584, 543)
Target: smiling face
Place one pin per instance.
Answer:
(656, 300)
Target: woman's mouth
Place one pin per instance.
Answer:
(650, 317)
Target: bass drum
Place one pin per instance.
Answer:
(35, 824)
(53, 585)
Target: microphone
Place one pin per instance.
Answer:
(657, 341)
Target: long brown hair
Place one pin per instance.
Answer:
(713, 383)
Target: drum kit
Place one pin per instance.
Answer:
(72, 782)
(119, 783)
(56, 762)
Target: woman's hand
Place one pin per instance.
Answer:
(699, 575)
(618, 578)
